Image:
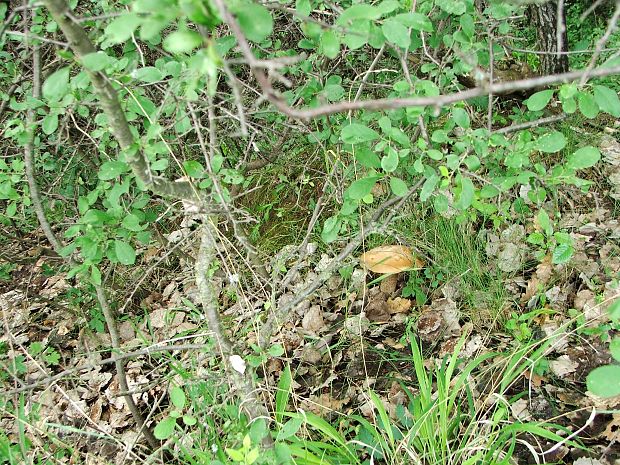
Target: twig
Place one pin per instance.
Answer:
(120, 368)
(491, 79)
(530, 124)
(590, 9)
(36, 37)
(392, 103)
(11, 90)
(611, 27)
(107, 361)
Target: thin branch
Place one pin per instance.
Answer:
(392, 103)
(611, 27)
(36, 37)
(110, 104)
(108, 361)
(120, 369)
(530, 124)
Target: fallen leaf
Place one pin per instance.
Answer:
(563, 366)
(429, 326)
(313, 319)
(398, 305)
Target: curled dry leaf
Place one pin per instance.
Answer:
(390, 259)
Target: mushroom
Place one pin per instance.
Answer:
(390, 260)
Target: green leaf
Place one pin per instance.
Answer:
(551, 142)
(148, 74)
(441, 204)
(416, 21)
(587, 105)
(466, 195)
(539, 100)
(303, 7)
(255, 21)
(460, 117)
(95, 275)
(583, 158)
(359, 11)
(125, 253)
(604, 381)
(121, 28)
(236, 455)
(132, 223)
(489, 191)
(331, 228)
(289, 428)
(536, 238)
(330, 44)
(362, 187)
(50, 124)
(366, 157)
(562, 254)
(453, 7)
(389, 162)
(182, 41)
(396, 33)
(96, 61)
(428, 187)
(614, 348)
(164, 428)
(112, 169)
(607, 100)
(398, 186)
(56, 86)
(193, 169)
(177, 397)
(614, 311)
(355, 133)
(545, 222)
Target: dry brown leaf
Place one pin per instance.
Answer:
(430, 325)
(390, 259)
(377, 311)
(612, 432)
(313, 319)
(398, 305)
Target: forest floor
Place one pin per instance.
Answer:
(491, 289)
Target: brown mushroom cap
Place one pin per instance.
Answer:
(390, 259)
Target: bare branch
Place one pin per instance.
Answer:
(393, 103)
(611, 27)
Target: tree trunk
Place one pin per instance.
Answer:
(544, 17)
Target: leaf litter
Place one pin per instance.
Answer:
(346, 338)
